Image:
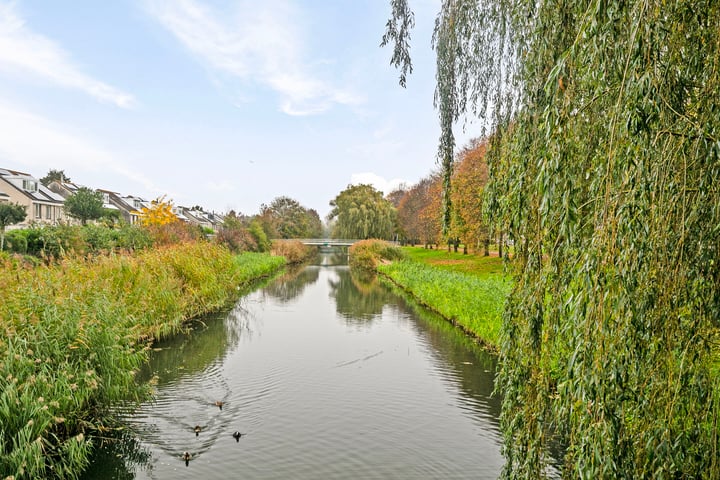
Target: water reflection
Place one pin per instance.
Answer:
(399, 394)
(292, 284)
(206, 342)
(470, 366)
(113, 457)
(359, 296)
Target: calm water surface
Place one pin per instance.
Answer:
(328, 376)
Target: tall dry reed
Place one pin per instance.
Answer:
(73, 334)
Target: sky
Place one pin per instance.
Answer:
(226, 104)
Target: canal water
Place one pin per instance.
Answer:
(327, 375)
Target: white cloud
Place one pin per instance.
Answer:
(258, 43)
(23, 51)
(380, 183)
(40, 144)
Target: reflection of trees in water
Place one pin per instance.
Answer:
(207, 341)
(292, 284)
(472, 366)
(118, 458)
(359, 297)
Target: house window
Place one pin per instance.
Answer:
(106, 198)
(48, 212)
(30, 185)
(38, 210)
(137, 204)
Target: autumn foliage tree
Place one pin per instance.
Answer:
(164, 226)
(243, 234)
(469, 180)
(160, 212)
(285, 217)
(419, 211)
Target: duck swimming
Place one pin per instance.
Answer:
(197, 430)
(237, 436)
(219, 403)
(186, 456)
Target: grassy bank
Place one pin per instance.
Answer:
(73, 334)
(468, 290)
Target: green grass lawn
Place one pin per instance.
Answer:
(475, 264)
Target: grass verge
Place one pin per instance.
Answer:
(468, 290)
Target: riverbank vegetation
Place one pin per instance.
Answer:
(368, 254)
(293, 251)
(468, 290)
(75, 331)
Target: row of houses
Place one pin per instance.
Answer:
(45, 205)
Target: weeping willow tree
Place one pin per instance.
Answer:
(362, 212)
(605, 169)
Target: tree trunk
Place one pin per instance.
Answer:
(500, 245)
(487, 246)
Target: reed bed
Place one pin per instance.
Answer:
(73, 334)
(294, 251)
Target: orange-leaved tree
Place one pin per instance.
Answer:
(419, 211)
(469, 180)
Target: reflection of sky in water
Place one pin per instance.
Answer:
(330, 376)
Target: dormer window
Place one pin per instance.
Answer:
(30, 186)
(106, 198)
(137, 204)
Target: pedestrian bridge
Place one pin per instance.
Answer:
(328, 242)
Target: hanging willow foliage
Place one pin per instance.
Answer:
(605, 169)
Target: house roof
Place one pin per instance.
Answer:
(72, 187)
(43, 194)
(123, 202)
(130, 200)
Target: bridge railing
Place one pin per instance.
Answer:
(327, 241)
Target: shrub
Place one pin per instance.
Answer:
(236, 239)
(55, 242)
(368, 254)
(99, 238)
(16, 241)
(130, 237)
(172, 233)
(261, 239)
(294, 251)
